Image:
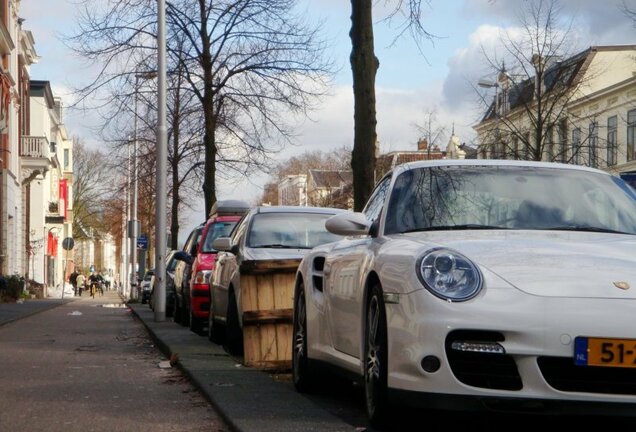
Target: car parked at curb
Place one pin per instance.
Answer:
(146, 286)
(182, 274)
(477, 284)
(266, 234)
(223, 217)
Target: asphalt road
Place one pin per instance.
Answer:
(88, 365)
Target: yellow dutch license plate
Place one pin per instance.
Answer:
(605, 352)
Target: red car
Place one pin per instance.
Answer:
(223, 217)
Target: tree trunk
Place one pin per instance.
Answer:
(174, 205)
(209, 142)
(364, 65)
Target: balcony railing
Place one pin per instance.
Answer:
(34, 147)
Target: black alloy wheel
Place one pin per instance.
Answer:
(216, 332)
(301, 373)
(375, 356)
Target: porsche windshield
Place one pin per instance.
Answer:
(510, 197)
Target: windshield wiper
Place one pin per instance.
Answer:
(586, 228)
(276, 246)
(456, 227)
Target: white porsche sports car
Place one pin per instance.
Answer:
(478, 284)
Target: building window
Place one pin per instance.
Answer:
(611, 141)
(563, 140)
(631, 134)
(550, 143)
(593, 138)
(526, 146)
(66, 159)
(576, 144)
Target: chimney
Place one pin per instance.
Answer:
(422, 144)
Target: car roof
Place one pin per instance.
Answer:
(296, 209)
(493, 163)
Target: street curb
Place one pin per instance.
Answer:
(247, 399)
(165, 349)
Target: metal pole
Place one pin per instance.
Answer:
(162, 162)
(126, 236)
(497, 149)
(133, 252)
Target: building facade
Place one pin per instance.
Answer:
(292, 190)
(50, 194)
(588, 118)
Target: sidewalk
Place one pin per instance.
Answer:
(249, 400)
(10, 312)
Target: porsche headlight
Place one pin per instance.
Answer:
(449, 275)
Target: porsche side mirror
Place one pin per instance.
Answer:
(347, 224)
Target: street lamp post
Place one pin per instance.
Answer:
(135, 225)
(162, 162)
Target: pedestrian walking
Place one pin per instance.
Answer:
(73, 280)
(81, 280)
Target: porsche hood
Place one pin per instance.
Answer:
(550, 263)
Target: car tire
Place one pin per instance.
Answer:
(375, 358)
(303, 378)
(233, 332)
(216, 332)
(196, 326)
(169, 310)
(176, 312)
(185, 315)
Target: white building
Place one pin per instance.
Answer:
(588, 112)
(50, 200)
(18, 53)
(292, 190)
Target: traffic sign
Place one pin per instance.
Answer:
(68, 243)
(142, 242)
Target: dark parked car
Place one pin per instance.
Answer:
(182, 275)
(171, 263)
(146, 286)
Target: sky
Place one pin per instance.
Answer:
(440, 76)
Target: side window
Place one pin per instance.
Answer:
(239, 231)
(376, 202)
(193, 241)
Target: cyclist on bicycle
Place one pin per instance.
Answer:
(94, 281)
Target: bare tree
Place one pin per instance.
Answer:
(535, 80)
(335, 160)
(251, 64)
(92, 189)
(364, 65)
(629, 11)
(430, 129)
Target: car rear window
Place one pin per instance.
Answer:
(290, 230)
(216, 230)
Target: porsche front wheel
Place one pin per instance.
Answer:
(302, 376)
(375, 356)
